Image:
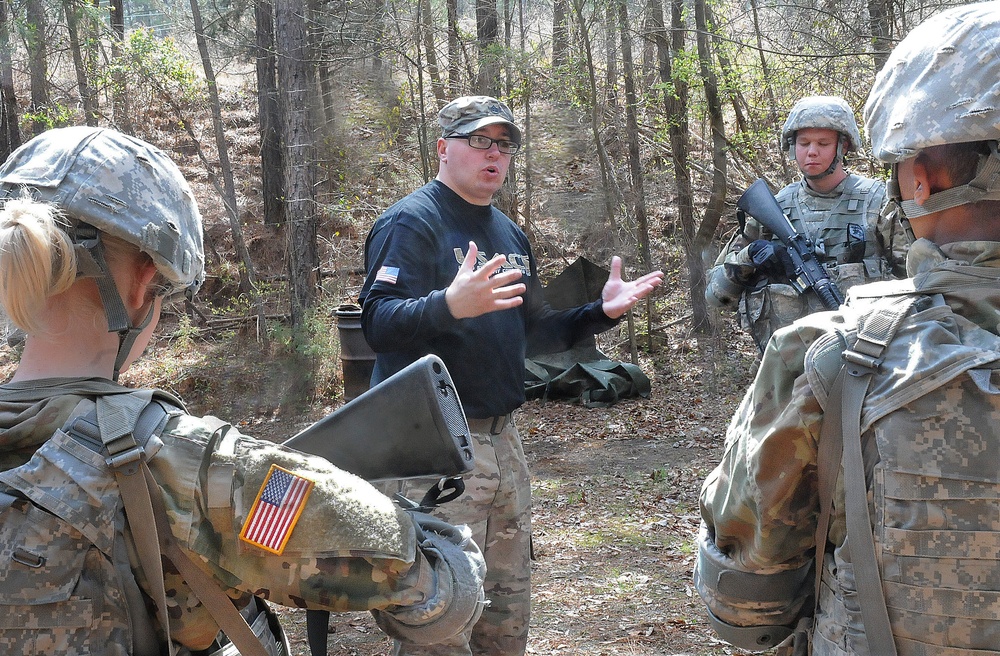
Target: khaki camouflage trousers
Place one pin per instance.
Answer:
(496, 505)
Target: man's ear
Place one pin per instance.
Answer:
(921, 181)
(442, 148)
(930, 175)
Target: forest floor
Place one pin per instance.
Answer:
(615, 489)
(615, 495)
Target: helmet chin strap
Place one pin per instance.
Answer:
(91, 263)
(893, 208)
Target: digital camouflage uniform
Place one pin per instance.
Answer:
(849, 239)
(73, 571)
(351, 549)
(841, 225)
(928, 423)
(496, 506)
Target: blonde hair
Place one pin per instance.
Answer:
(37, 260)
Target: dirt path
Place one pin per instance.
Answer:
(615, 510)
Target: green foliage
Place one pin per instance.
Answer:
(316, 347)
(185, 333)
(53, 115)
(751, 142)
(573, 84)
(152, 72)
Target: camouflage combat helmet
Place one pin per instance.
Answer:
(941, 85)
(106, 181)
(827, 112)
(119, 185)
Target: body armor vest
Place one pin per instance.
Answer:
(931, 448)
(842, 230)
(67, 583)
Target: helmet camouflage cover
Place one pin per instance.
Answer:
(120, 185)
(828, 112)
(940, 85)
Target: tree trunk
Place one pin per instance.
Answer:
(736, 98)
(454, 50)
(611, 59)
(10, 132)
(121, 108)
(717, 197)
(632, 125)
(37, 64)
(272, 168)
(88, 96)
(610, 187)
(772, 112)
(526, 147)
(248, 278)
(675, 103)
(300, 228)
(880, 19)
(635, 161)
(486, 36)
(426, 23)
(560, 33)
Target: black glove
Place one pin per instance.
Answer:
(771, 259)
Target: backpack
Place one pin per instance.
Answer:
(918, 386)
(66, 582)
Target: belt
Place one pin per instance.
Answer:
(493, 425)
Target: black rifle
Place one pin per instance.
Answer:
(759, 202)
(411, 425)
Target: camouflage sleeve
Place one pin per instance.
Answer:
(893, 242)
(760, 502)
(344, 547)
(722, 289)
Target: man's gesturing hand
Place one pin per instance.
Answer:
(473, 293)
(619, 296)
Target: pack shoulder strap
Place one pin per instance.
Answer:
(840, 444)
(131, 419)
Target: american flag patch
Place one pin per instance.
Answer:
(387, 274)
(276, 510)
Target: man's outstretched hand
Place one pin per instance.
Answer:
(473, 293)
(619, 296)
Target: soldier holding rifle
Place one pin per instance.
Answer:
(835, 211)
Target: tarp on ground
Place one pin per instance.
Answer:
(582, 373)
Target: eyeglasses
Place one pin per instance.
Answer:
(480, 142)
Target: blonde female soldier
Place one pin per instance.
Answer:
(97, 480)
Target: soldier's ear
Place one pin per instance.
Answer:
(137, 294)
(921, 181)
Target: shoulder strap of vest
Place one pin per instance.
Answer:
(840, 444)
(124, 423)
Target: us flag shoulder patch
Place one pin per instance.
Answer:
(279, 504)
(387, 274)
